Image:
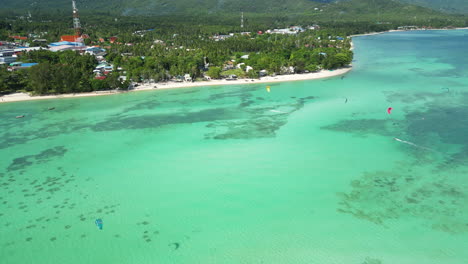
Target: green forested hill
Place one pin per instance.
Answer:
(449, 6)
(191, 7)
(452, 6)
(163, 7)
(224, 15)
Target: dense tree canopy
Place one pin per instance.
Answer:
(179, 45)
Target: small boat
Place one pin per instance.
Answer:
(20, 116)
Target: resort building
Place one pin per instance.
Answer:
(7, 60)
(66, 45)
(7, 56)
(96, 51)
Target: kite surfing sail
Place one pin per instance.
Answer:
(99, 223)
(389, 110)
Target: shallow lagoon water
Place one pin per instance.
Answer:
(235, 174)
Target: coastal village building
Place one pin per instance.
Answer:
(282, 31)
(7, 60)
(142, 33)
(26, 49)
(96, 51)
(9, 52)
(40, 40)
(291, 30)
(70, 38)
(19, 40)
(229, 65)
(103, 68)
(287, 70)
(222, 37)
(20, 65)
(7, 56)
(408, 28)
(187, 78)
(66, 45)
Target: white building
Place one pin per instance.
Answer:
(282, 31)
(7, 56)
(187, 78)
(28, 49)
(7, 60)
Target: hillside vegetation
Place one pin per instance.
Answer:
(451, 6)
(208, 17)
(207, 7)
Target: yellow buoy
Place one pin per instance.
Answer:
(268, 88)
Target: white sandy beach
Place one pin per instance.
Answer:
(376, 33)
(169, 85)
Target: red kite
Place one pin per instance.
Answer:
(389, 110)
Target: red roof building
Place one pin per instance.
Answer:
(18, 37)
(70, 38)
(112, 39)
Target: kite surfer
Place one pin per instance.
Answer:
(99, 223)
(412, 144)
(176, 245)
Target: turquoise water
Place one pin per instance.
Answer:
(237, 175)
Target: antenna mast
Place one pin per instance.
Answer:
(76, 20)
(242, 20)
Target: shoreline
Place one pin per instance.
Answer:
(18, 97)
(397, 30)
(402, 30)
(378, 33)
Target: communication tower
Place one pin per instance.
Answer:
(76, 20)
(242, 20)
